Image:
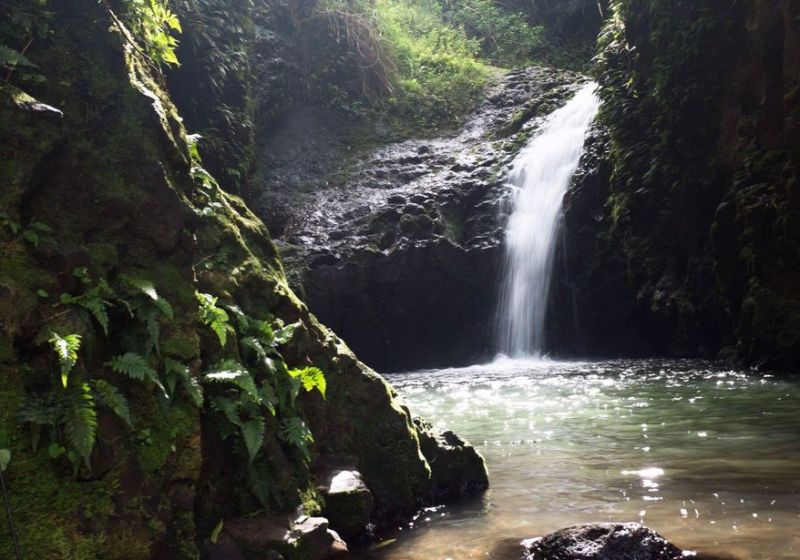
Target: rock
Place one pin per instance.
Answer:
(602, 541)
(348, 502)
(301, 538)
(414, 208)
(457, 469)
(439, 186)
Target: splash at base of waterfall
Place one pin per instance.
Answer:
(540, 177)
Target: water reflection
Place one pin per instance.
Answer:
(704, 454)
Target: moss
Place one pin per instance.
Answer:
(312, 501)
(160, 434)
(49, 508)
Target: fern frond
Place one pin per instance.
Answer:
(231, 371)
(136, 367)
(295, 432)
(35, 410)
(258, 481)
(285, 334)
(311, 377)
(133, 365)
(66, 348)
(79, 418)
(253, 431)
(214, 317)
(146, 288)
(228, 408)
(96, 307)
(108, 395)
(176, 371)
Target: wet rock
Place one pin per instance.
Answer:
(400, 201)
(602, 541)
(417, 227)
(348, 502)
(457, 469)
(414, 208)
(306, 538)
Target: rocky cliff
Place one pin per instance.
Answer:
(398, 248)
(682, 229)
(161, 385)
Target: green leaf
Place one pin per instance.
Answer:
(42, 294)
(5, 459)
(93, 302)
(311, 377)
(142, 286)
(253, 434)
(228, 408)
(80, 420)
(55, 450)
(136, 367)
(284, 335)
(214, 317)
(133, 365)
(10, 57)
(258, 481)
(216, 532)
(108, 395)
(66, 348)
(295, 432)
(31, 236)
(231, 371)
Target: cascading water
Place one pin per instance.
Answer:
(540, 176)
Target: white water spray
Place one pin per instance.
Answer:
(540, 176)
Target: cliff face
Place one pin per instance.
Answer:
(160, 428)
(682, 230)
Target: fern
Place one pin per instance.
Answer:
(154, 23)
(311, 378)
(66, 348)
(253, 434)
(285, 334)
(79, 418)
(258, 481)
(234, 373)
(94, 300)
(136, 367)
(35, 410)
(108, 395)
(133, 365)
(146, 288)
(227, 407)
(214, 317)
(295, 432)
(177, 372)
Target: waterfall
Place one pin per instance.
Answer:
(539, 178)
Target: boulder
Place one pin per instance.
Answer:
(290, 537)
(348, 502)
(602, 541)
(457, 469)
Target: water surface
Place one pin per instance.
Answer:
(708, 456)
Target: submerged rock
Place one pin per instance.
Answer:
(603, 541)
(457, 469)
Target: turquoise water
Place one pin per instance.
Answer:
(706, 455)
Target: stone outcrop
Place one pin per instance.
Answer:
(682, 228)
(397, 248)
(602, 541)
(97, 154)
